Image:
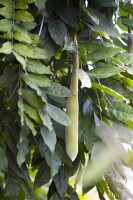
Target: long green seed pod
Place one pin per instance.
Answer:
(72, 111)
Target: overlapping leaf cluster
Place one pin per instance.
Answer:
(36, 58)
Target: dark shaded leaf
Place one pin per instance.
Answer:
(68, 15)
(71, 193)
(86, 130)
(3, 160)
(56, 196)
(43, 175)
(53, 161)
(12, 186)
(61, 182)
(57, 30)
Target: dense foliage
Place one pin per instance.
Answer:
(36, 57)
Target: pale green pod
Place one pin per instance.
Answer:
(72, 110)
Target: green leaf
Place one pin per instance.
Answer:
(32, 113)
(24, 50)
(103, 70)
(58, 90)
(57, 114)
(127, 81)
(36, 80)
(8, 3)
(45, 119)
(57, 30)
(40, 4)
(109, 91)
(101, 50)
(21, 5)
(69, 45)
(37, 67)
(32, 99)
(61, 152)
(29, 1)
(6, 12)
(106, 3)
(40, 53)
(127, 7)
(127, 22)
(121, 111)
(5, 25)
(49, 138)
(20, 59)
(84, 78)
(118, 87)
(103, 187)
(56, 196)
(105, 26)
(43, 175)
(30, 124)
(68, 15)
(3, 159)
(83, 54)
(21, 107)
(126, 58)
(72, 193)
(12, 186)
(24, 16)
(20, 172)
(6, 48)
(23, 150)
(21, 35)
(31, 52)
(86, 131)
(120, 130)
(92, 15)
(53, 161)
(29, 26)
(61, 182)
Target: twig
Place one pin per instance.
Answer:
(41, 27)
(9, 98)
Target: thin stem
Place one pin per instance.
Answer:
(41, 27)
(9, 98)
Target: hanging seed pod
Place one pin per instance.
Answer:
(72, 110)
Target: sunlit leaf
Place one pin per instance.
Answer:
(6, 12)
(6, 48)
(37, 67)
(109, 91)
(23, 16)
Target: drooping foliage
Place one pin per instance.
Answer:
(36, 59)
